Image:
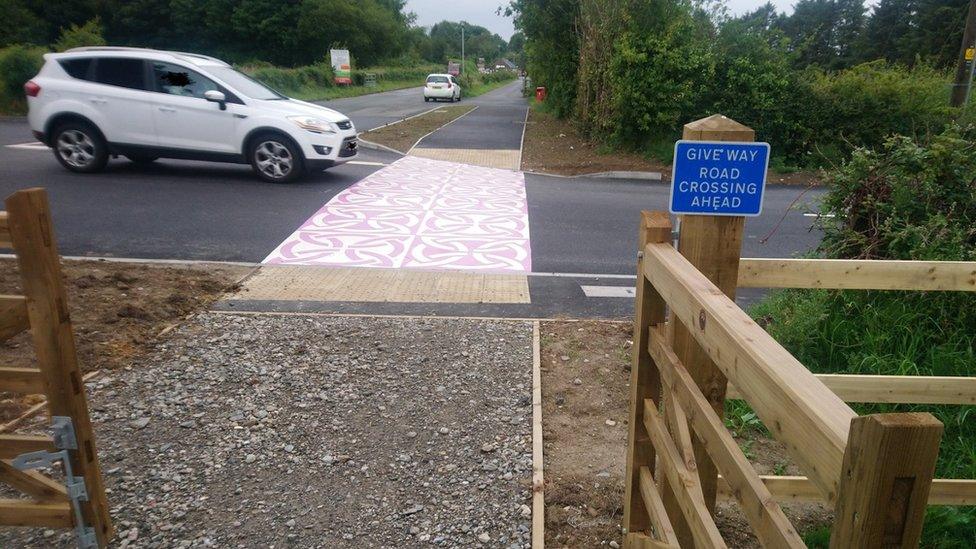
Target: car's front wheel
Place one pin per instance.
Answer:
(79, 147)
(276, 159)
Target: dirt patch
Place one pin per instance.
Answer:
(402, 135)
(585, 394)
(555, 146)
(117, 310)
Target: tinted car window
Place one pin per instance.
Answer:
(178, 80)
(124, 72)
(77, 67)
(437, 79)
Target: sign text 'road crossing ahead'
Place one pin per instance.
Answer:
(718, 178)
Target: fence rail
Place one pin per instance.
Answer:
(876, 471)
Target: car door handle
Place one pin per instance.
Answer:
(167, 109)
(98, 100)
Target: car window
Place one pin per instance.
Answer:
(437, 79)
(122, 71)
(77, 67)
(179, 80)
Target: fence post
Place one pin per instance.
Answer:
(54, 342)
(645, 380)
(885, 482)
(713, 245)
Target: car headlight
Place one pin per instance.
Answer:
(313, 124)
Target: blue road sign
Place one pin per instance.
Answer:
(718, 178)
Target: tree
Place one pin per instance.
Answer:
(888, 32)
(938, 32)
(89, 34)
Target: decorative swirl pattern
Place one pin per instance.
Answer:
(419, 213)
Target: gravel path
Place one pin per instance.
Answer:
(275, 431)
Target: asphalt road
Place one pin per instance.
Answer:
(496, 124)
(206, 211)
(371, 111)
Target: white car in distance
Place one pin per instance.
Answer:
(88, 104)
(442, 86)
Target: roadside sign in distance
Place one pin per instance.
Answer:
(718, 178)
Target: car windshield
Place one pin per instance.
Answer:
(244, 84)
(437, 79)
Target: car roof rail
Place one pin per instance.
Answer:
(146, 50)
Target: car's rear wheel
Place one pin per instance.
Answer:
(276, 159)
(79, 147)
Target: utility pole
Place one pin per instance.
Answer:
(964, 73)
(461, 69)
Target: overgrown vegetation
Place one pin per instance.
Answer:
(630, 73)
(292, 34)
(907, 200)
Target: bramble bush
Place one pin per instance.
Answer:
(909, 199)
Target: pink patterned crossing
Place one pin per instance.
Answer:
(419, 213)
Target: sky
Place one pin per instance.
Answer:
(482, 12)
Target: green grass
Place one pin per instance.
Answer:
(319, 93)
(889, 333)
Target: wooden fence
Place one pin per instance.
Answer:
(694, 348)
(26, 227)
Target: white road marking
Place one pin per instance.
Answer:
(365, 163)
(608, 291)
(31, 146)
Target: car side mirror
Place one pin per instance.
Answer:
(216, 97)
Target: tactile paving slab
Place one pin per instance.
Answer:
(304, 283)
(489, 158)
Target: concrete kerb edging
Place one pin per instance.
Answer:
(376, 146)
(643, 176)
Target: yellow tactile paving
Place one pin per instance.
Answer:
(309, 283)
(489, 158)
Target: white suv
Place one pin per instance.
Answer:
(90, 103)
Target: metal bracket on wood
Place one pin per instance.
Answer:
(64, 439)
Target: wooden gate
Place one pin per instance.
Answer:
(694, 347)
(26, 227)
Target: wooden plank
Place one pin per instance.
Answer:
(655, 508)
(21, 380)
(887, 475)
(858, 274)
(798, 409)
(683, 483)
(5, 241)
(643, 541)
(766, 517)
(644, 380)
(54, 343)
(538, 480)
(896, 389)
(32, 483)
(19, 512)
(12, 446)
(791, 489)
(13, 316)
(713, 244)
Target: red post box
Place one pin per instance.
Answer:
(540, 94)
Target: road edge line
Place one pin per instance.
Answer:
(538, 463)
(439, 129)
